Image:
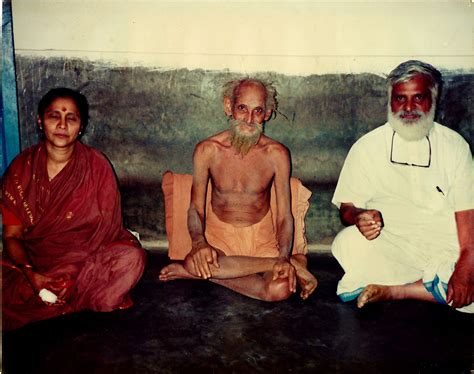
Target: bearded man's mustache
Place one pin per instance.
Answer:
(411, 129)
(243, 141)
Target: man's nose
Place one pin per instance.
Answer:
(249, 118)
(408, 105)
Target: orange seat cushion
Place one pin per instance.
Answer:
(177, 195)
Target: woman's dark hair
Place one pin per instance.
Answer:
(78, 98)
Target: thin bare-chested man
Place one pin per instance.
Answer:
(241, 250)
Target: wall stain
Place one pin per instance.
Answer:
(146, 122)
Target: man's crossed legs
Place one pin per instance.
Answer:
(249, 276)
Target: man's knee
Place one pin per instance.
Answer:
(346, 240)
(277, 290)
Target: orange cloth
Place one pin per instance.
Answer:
(177, 196)
(258, 240)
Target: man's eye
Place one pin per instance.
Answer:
(241, 107)
(400, 99)
(419, 98)
(259, 110)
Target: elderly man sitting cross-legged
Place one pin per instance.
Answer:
(405, 192)
(236, 240)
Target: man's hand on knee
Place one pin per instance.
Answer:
(284, 269)
(461, 283)
(202, 258)
(369, 223)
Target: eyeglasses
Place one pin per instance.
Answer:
(406, 163)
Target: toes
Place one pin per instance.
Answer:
(361, 300)
(165, 276)
(308, 289)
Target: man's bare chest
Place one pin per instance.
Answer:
(246, 175)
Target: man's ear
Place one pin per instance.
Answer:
(268, 114)
(227, 106)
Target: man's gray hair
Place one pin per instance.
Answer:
(230, 90)
(409, 69)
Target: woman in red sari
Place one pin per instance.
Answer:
(62, 223)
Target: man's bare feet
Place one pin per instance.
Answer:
(373, 293)
(174, 271)
(306, 280)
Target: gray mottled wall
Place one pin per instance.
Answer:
(148, 121)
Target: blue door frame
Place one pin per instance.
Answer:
(10, 134)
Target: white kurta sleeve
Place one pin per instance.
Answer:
(354, 184)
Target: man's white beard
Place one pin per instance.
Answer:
(243, 141)
(412, 130)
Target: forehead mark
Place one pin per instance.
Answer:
(64, 109)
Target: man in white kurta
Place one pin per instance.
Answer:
(417, 187)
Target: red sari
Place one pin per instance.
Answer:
(73, 228)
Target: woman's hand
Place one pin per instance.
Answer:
(57, 285)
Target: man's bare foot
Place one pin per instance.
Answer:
(306, 280)
(373, 293)
(174, 271)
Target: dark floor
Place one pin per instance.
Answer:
(199, 327)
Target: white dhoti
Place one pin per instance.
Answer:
(389, 260)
